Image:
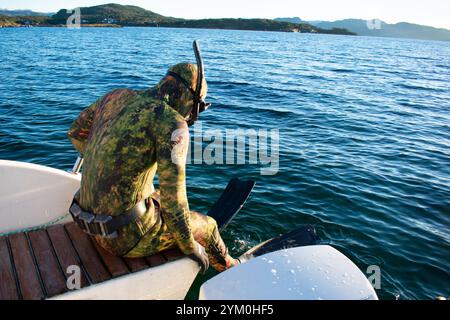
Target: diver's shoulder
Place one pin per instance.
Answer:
(165, 112)
(118, 93)
(167, 121)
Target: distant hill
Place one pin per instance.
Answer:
(21, 21)
(125, 15)
(398, 30)
(291, 20)
(114, 13)
(15, 13)
(251, 24)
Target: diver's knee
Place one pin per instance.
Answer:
(212, 223)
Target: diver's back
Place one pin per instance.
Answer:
(120, 160)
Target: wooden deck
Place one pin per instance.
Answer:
(33, 265)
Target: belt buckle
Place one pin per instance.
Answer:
(75, 210)
(86, 218)
(102, 222)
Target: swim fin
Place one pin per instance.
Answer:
(303, 236)
(231, 201)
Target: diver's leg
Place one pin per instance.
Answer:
(206, 232)
(152, 243)
(155, 240)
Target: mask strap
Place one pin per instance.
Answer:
(183, 81)
(177, 77)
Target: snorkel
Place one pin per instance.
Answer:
(199, 105)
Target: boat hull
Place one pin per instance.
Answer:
(34, 196)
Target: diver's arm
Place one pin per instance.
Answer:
(171, 150)
(81, 127)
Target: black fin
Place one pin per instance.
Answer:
(300, 237)
(231, 201)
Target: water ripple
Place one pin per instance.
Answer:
(364, 124)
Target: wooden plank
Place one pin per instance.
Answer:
(65, 252)
(88, 255)
(115, 264)
(8, 289)
(136, 264)
(172, 254)
(28, 277)
(48, 266)
(156, 260)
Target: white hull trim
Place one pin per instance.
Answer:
(34, 196)
(170, 281)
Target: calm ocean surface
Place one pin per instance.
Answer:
(364, 131)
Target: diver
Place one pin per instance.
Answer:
(125, 138)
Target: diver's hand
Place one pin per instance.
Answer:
(199, 255)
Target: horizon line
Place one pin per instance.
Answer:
(293, 16)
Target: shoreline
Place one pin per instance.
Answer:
(63, 26)
(174, 27)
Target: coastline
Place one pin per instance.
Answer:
(322, 31)
(62, 26)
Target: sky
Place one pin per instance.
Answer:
(434, 13)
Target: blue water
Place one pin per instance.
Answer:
(364, 126)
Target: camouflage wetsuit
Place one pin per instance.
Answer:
(125, 138)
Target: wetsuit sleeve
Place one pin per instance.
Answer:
(81, 127)
(171, 152)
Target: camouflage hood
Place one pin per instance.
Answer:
(175, 93)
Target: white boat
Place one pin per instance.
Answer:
(34, 202)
